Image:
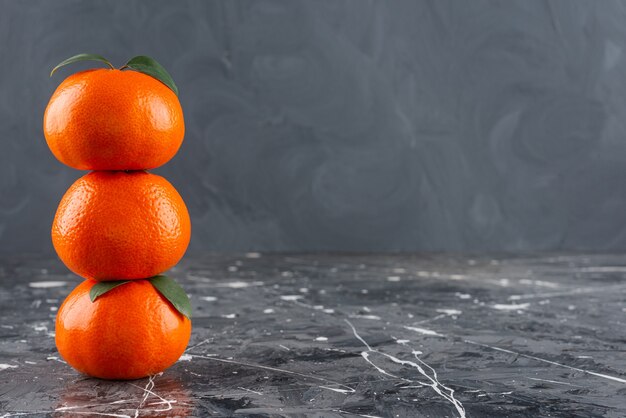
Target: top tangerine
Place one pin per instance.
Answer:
(108, 119)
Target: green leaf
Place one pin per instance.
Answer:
(81, 57)
(149, 66)
(101, 288)
(172, 292)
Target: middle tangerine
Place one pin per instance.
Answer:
(117, 225)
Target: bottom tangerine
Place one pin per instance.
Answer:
(130, 332)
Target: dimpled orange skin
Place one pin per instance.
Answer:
(109, 119)
(117, 225)
(130, 332)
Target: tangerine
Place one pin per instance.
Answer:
(117, 225)
(130, 332)
(108, 119)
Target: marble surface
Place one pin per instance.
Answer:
(346, 335)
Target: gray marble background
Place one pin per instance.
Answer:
(348, 125)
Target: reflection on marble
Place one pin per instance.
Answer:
(346, 335)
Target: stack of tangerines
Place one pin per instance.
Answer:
(119, 226)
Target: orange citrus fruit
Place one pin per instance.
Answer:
(117, 225)
(107, 119)
(130, 332)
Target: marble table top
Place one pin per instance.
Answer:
(329, 335)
